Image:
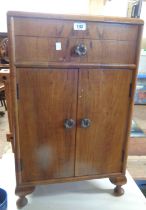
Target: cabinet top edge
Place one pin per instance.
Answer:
(76, 17)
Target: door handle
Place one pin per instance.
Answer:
(85, 123)
(69, 123)
(80, 50)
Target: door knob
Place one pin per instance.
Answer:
(85, 123)
(80, 50)
(69, 123)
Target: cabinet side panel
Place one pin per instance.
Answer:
(46, 97)
(104, 99)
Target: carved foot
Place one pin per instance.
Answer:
(22, 192)
(118, 181)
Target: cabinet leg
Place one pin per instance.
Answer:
(118, 181)
(22, 192)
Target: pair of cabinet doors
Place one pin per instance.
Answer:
(48, 97)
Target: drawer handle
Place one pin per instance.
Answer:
(85, 123)
(69, 123)
(80, 50)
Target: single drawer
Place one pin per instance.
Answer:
(74, 28)
(43, 49)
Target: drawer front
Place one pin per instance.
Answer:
(74, 28)
(44, 49)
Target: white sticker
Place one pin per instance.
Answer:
(80, 26)
(58, 46)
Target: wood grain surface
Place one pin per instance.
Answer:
(38, 49)
(99, 148)
(46, 99)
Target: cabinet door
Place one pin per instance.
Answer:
(46, 98)
(103, 97)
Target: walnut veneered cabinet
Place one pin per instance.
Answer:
(73, 81)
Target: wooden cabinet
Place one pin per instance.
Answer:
(73, 81)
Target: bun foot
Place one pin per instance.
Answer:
(22, 191)
(118, 181)
(118, 190)
(21, 202)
